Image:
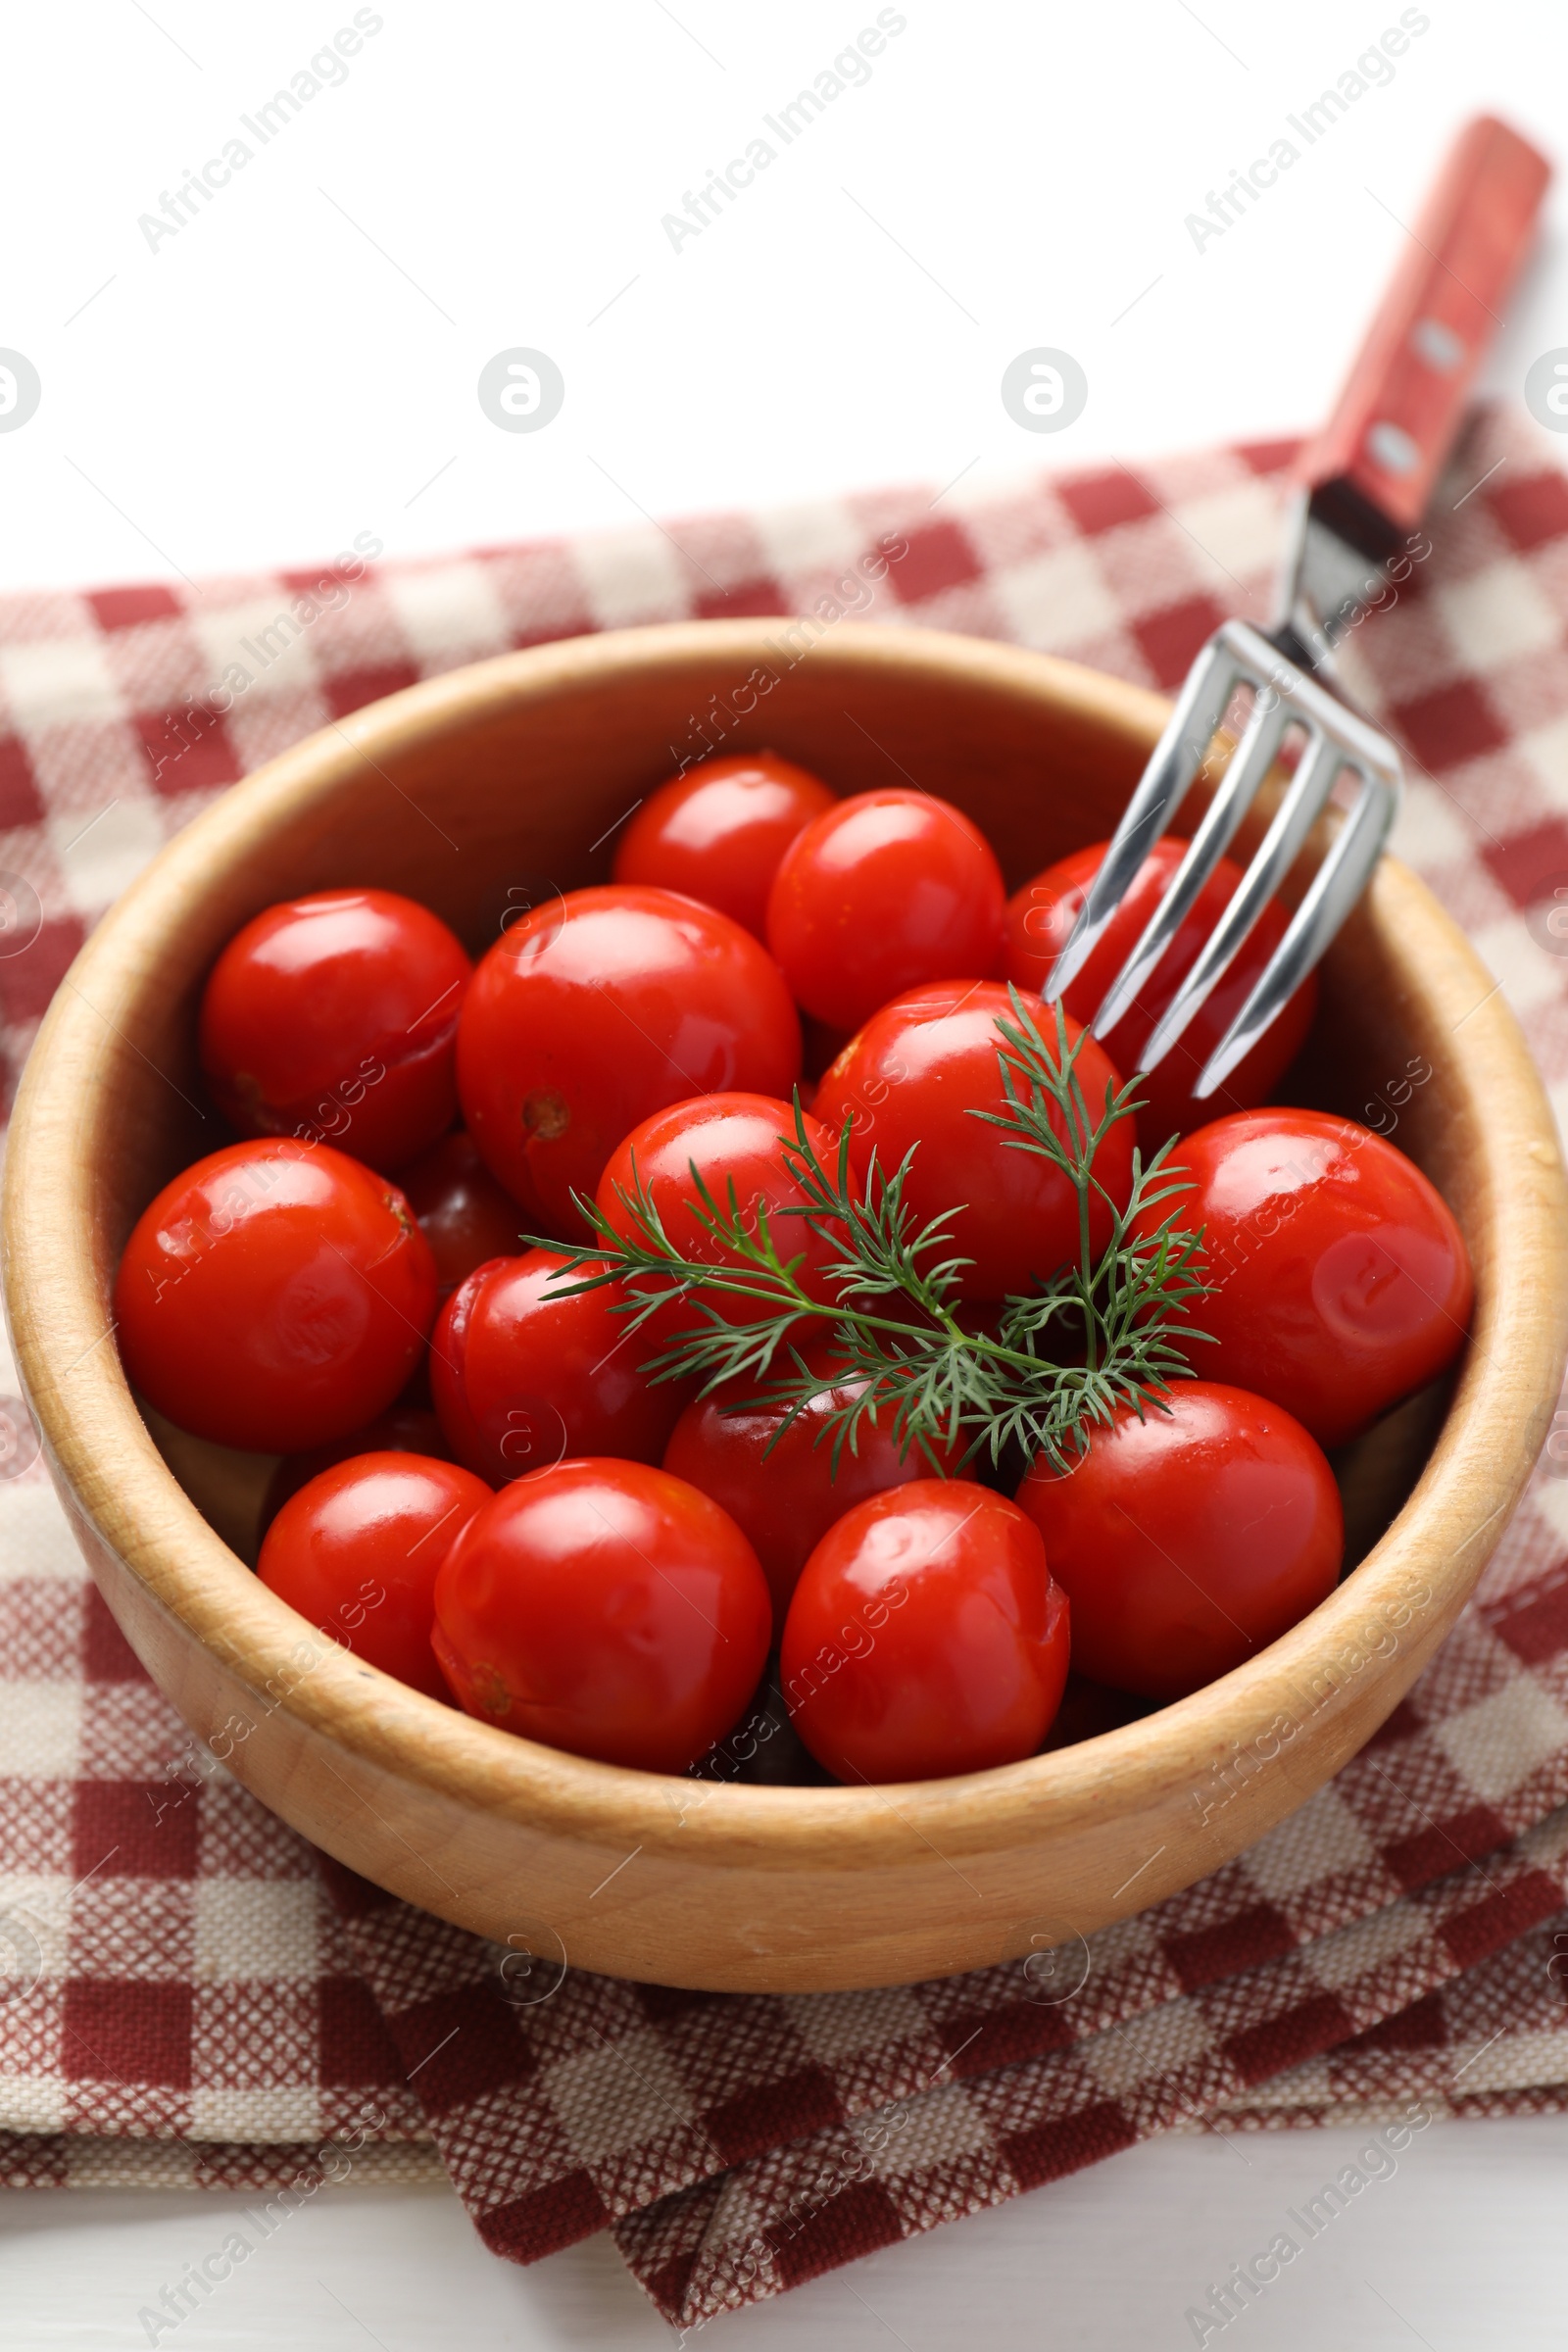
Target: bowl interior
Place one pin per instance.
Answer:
(506, 810)
(483, 802)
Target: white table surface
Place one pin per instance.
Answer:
(1461, 2247)
(298, 364)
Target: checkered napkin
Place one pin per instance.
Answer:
(189, 1999)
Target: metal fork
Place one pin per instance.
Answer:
(1365, 483)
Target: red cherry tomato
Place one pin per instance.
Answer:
(718, 832)
(925, 1636)
(784, 1496)
(1341, 1279)
(405, 1429)
(728, 1139)
(522, 1378)
(1189, 1540)
(1041, 914)
(274, 1296)
(914, 1075)
(335, 1017)
(357, 1550)
(462, 1212)
(607, 1610)
(598, 1010)
(883, 891)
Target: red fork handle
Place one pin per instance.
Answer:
(1373, 465)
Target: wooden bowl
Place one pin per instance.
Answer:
(485, 789)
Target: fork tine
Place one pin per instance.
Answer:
(1336, 737)
(1303, 804)
(1337, 885)
(1173, 766)
(1250, 762)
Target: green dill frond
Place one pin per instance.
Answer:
(1108, 1331)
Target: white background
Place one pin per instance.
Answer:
(268, 383)
(298, 364)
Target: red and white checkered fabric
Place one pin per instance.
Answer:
(181, 2001)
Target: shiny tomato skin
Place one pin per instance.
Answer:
(597, 1010)
(1342, 1282)
(606, 1608)
(274, 1296)
(926, 1637)
(357, 1551)
(1040, 918)
(784, 1496)
(717, 832)
(914, 1075)
(1189, 1540)
(462, 1212)
(885, 891)
(335, 1017)
(403, 1427)
(522, 1377)
(730, 1138)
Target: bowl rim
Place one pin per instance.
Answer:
(55, 1289)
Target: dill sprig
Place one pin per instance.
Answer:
(1101, 1333)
